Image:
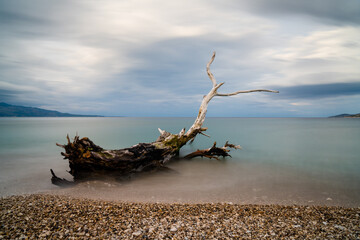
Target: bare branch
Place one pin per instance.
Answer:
(163, 135)
(246, 91)
(161, 131)
(227, 144)
(204, 134)
(194, 129)
(60, 145)
(65, 154)
(182, 132)
(211, 76)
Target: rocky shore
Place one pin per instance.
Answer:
(61, 217)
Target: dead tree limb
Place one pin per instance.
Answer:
(196, 127)
(213, 152)
(88, 160)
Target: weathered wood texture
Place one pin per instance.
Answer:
(87, 160)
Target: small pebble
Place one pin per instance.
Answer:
(60, 217)
(138, 233)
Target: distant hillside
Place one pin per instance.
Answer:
(345, 115)
(7, 110)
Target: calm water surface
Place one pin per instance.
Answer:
(283, 160)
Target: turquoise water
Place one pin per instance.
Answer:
(283, 160)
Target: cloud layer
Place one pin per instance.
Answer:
(147, 58)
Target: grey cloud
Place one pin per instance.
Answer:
(39, 19)
(9, 17)
(14, 16)
(170, 68)
(317, 91)
(14, 96)
(330, 11)
(178, 63)
(6, 95)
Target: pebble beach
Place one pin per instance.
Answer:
(41, 216)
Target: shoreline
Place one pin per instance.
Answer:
(177, 189)
(54, 216)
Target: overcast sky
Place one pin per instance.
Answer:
(148, 58)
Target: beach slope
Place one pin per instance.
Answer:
(59, 217)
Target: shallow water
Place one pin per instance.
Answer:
(287, 161)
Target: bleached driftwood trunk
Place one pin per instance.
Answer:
(87, 160)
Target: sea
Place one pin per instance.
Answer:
(303, 161)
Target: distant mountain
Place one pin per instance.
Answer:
(7, 110)
(345, 115)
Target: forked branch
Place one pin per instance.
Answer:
(194, 129)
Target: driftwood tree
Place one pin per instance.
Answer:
(87, 160)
